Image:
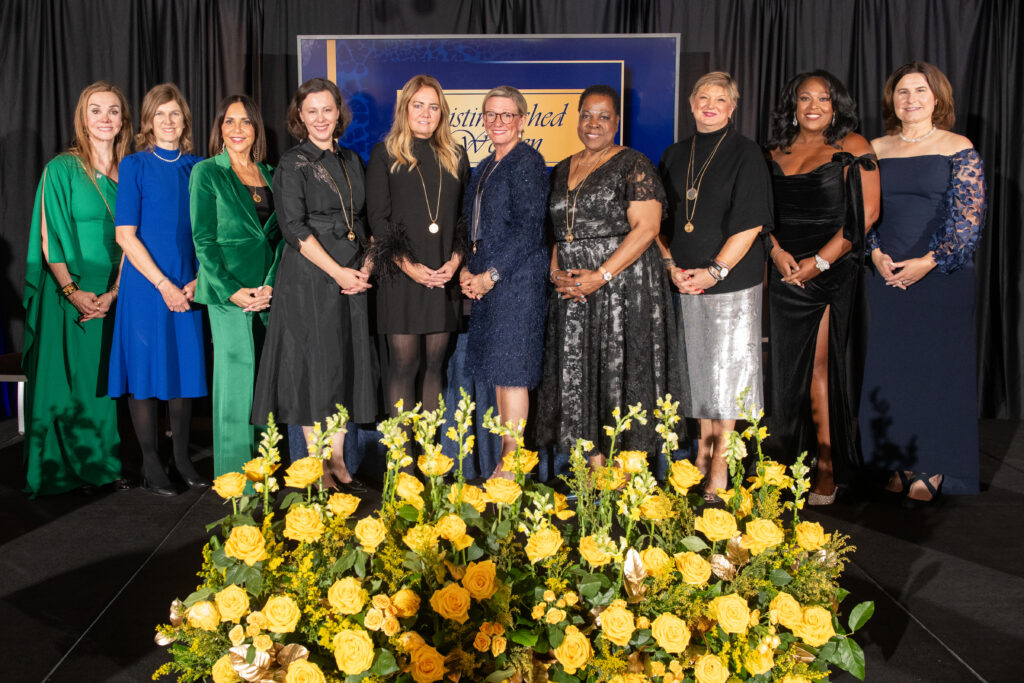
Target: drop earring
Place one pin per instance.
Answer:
(794, 121)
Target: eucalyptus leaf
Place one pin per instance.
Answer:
(860, 615)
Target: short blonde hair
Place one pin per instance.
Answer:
(720, 78)
(509, 92)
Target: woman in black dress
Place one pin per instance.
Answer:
(826, 195)
(507, 261)
(413, 192)
(318, 350)
(609, 322)
(719, 199)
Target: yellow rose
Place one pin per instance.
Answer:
(784, 609)
(593, 553)
(421, 538)
(407, 486)
(761, 535)
(562, 510)
(656, 561)
(382, 602)
(303, 524)
(710, 669)
(498, 645)
(571, 598)
(574, 652)
(617, 623)
(479, 579)
(716, 525)
(543, 543)
(253, 470)
(504, 491)
(555, 616)
(343, 504)
(347, 596)
(204, 615)
(257, 619)
(815, 628)
(758, 662)
(410, 641)
(435, 464)
(695, 569)
(810, 536)
(406, 603)
(451, 527)
(427, 665)
(303, 472)
(731, 612)
(451, 602)
(774, 475)
(746, 501)
(371, 533)
(374, 619)
(232, 603)
(262, 642)
(282, 614)
(527, 461)
(223, 672)
(236, 635)
(609, 478)
(304, 671)
(246, 543)
(481, 642)
(632, 461)
(353, 651)
(230, 485)
(462, 542)
(643, 622)
(538, 610)
(470, 494)
(683, 475)
(656, 508)
(549, 595)
(390, 626)
(671, 633)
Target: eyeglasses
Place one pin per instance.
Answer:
(506, 116)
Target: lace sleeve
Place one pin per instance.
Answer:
(643, 183)
(953, 244)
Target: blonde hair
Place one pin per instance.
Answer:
(399, 141)
(720, 78)
(508, 92)
(158, 96)
(80, 146)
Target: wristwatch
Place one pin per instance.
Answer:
(718, 270)
(493, 272)
(606, 274)
(821, 264)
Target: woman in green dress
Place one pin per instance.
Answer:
(71, 280)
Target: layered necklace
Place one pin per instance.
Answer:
(254, 186)
(570, 224)
(433, 215)
(478, 196)
(923, 137)
(693, 184)
(351, 204)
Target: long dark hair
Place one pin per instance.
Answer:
(783, 130)
(258, 151)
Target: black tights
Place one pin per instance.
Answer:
(405, 365)
(144, 419)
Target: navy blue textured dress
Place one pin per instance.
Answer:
(506, 326)
(156, 353)
(919, 407)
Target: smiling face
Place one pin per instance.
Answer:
(168, 125)
(503, 134)
(913, 100)
(237, 130)
(598, 123)
(424, 112)
(712, 108)
(103, 116)
(814, 105)
(319, 114)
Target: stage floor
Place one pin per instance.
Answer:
(84, 580)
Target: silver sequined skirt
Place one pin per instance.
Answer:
(720, 352)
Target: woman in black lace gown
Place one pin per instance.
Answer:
(826, 194)
(609, 321)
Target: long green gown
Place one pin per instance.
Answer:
(71, 436)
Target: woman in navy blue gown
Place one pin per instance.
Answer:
(157, 350)
(504, 207)
(918, 412)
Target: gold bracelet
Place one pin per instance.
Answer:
(69, 289)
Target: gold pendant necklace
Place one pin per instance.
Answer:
(569, 237)
(351, 204)
(434, 228)
(478, 197)
(693, 188)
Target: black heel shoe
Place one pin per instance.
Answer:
(934, 491)
(196, 481)
(167, 490)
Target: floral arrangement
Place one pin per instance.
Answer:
(506, 582)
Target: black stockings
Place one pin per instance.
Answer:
(144, 419)
(409, 354)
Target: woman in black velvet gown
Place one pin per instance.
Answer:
(414, 188)
(826, 195)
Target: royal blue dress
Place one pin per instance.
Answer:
(156, 353)
(919, 406)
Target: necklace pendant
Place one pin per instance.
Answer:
(474, 246)
(256, 197)
(688, 227)
(691, 193)
(568, 238)
(433, 228)
(351, 236)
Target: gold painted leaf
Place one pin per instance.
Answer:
(739, 556)
(634, 574)
(722, 567)
(800, 654)
(289, 653)
(162, 639)
(255, 672)
(177, 613)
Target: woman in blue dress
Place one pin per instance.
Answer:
(157, 350)
(504, 208)
(919, 412)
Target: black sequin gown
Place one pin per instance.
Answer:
(614, 350)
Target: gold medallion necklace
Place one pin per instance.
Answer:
(570, 225)
(693, 188)
(433, 227)
(351, 203)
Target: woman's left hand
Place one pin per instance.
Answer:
(696, 281)
(103, 303)
(476, 286)
(576, 284)
(909, 272)
(447, 271)
(189, 291)
(806, 270)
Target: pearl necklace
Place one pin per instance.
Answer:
(906, 139)
(169, 161)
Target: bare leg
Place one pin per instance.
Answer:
(334, 469)
(824, 483)
(513, 405)
(705, 447)
(718, 476)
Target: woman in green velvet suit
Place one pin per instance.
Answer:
(238, 246)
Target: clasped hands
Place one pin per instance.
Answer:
(902, 274)
(693, 280)
(475, 286)
(89, 305)
(253, 299)
(178, 300)
(577, 283)
(428, 277)
(795, 272)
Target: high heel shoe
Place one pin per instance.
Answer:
(934, 491)
(167, 490)
(820, 499)
(196, 482)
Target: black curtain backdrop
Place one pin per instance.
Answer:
(211, 48)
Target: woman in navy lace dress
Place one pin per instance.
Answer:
(919, 404)
(825, 186)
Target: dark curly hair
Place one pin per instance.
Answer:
(783, 130)
(605, 90)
